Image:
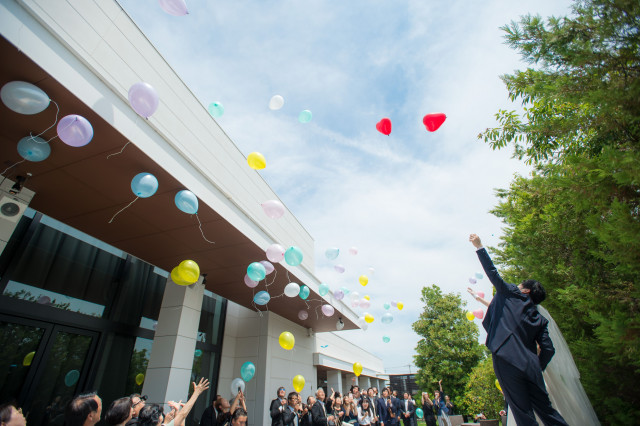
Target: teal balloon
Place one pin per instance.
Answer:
(332, 253)
(262, 298)
(216, 109)
(197, 353)
(33, 148)
(478, 275)
(187, 201)
(144, 185)
(247, 371)
(386, 306)
(71, 378)
(323, 289)
(345, 290)
(386, 339)
(293, 256)
(387, 318)
(305, 116)
(419, 413)
(304, 292)
(256, 271)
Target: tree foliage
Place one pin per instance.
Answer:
(449, 347)
(574, 224)
(480, 393)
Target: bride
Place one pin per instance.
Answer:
(561, 378)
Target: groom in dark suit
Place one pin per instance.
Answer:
(513, 327)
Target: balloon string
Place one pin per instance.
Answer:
(13, 165)
(54, 123)
(124, 208)
(202, 232)
(273, 280)
(119, 152)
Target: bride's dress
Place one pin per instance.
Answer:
(563, 382)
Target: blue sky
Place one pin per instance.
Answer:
(407, 201)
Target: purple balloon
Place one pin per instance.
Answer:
(472, 280)
(273, 208)
(268, 266)
(75, 130)
(143, 99)
(44, 300)
(174, 7)
(328, 310)
(303, 315)
(249, 282)
(338, 294)
(339, 268)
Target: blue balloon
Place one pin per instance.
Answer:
(33, 148)
(305, 116)
(293, 256)
(387, 318)
(323, 289)
(386, 306)
(216, 109)
(256, 271)
(144, 185)
(478, 275)
(304, 292)
(262, 298)
(247, 371)
(332, 253)
(187, 201)
(71, 378)
(345, 290)
(198, 353)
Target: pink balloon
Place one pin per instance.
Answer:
(174, 7)
(339, 268)
(394, 303)
(328, 310)
(355, 303)
(275, 253)
(303, 315)
(338, 294)
(478, 313)
(480, 294)
(268, 266)
(365, 304)
(353, 251)
(273, 208)
(249, 282)
(75, 130)
(143, 99)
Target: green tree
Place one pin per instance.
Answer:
(449, 347)
(480, 393)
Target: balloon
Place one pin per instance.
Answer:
(262, 298)
(144, 185)
(75, 130)
(368, 318)
(384, 126)
(287, 341)
(328, 310)
(338, 294)
(216, 109)
(298, 383)
(303, 315)
(419, 413)
(292, 290)
(394, 303)
(345, 290)
(24, 98)
(276, 102)
(71, 378)
(470, 316)
(304, 292)
(44, 300)
(176, 8)
(362, 324)
(472, 281)
(143, 99)
(480, 294)
(268, 266)
(197, 353)
(355, 303)
(354, 295)
(293, 256)
(305, 116)
(332, 253)
(33, 148)
(275, 253)
(386, 339)
(139, 379)
(339, 324)
(189, 271)
(498, 385)
(256, 271)
(399, 305)
(247, 371)
(323, 289)
(175, 277)
(249, 282)
(387, 318)
(371, 271)
(256, 161)
(433, 121)
(339, 269)
(366, 297)
(364, 280)
(357, 368)
(236, 384)
(28, 358)
(186, 201)
(353, 251)
(386, 306)
(479, 275)
(273, 208)
(478, 313)
(365, 304)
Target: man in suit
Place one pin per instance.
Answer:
(277, 408)
(373, 398)
(290, 412)
(319, 411)
(513, 327)
(408, 410)
(387, 409)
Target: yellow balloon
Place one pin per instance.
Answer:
(363, 280)
(175, 277)
(256, 161)
(298, 383)
(287, 340)
(357, 368)
(400, 305)
(139, 379)
(367, 297)
(28, 358)
(470, 316)
(368, 318)
(498, 385)
(189, 271)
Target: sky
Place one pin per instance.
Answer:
(407, 201)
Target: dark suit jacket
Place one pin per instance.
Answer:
(318, 414)
(384, 411)
(411, 410)
(288, 416)
(276, 414)
(514, 325)
(208, 417)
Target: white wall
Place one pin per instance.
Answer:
(344, 353)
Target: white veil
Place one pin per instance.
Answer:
(563, 382)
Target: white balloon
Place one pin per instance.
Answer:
(365, 304)
(276, 102)
(371, 271)
(354, 295)
(292, 290)
(362, 323)
(235, 384)
(24, 98)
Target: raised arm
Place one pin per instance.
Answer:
(478, 298)
(182, 414)
(546, 348)
(488, 266)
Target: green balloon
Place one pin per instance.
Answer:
(323, 289)
(216, 109)
(305, 116)
(386, 339)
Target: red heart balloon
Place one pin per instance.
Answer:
(384, 126)
(433, 121)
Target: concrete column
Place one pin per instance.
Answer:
(350, 381)
(365, 382)
(334, 380)
(168, 374)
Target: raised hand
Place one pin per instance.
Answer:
(475, 240)
(202, 385)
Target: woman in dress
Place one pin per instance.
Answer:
(427, 410)
(350, 411)
(365, 413)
